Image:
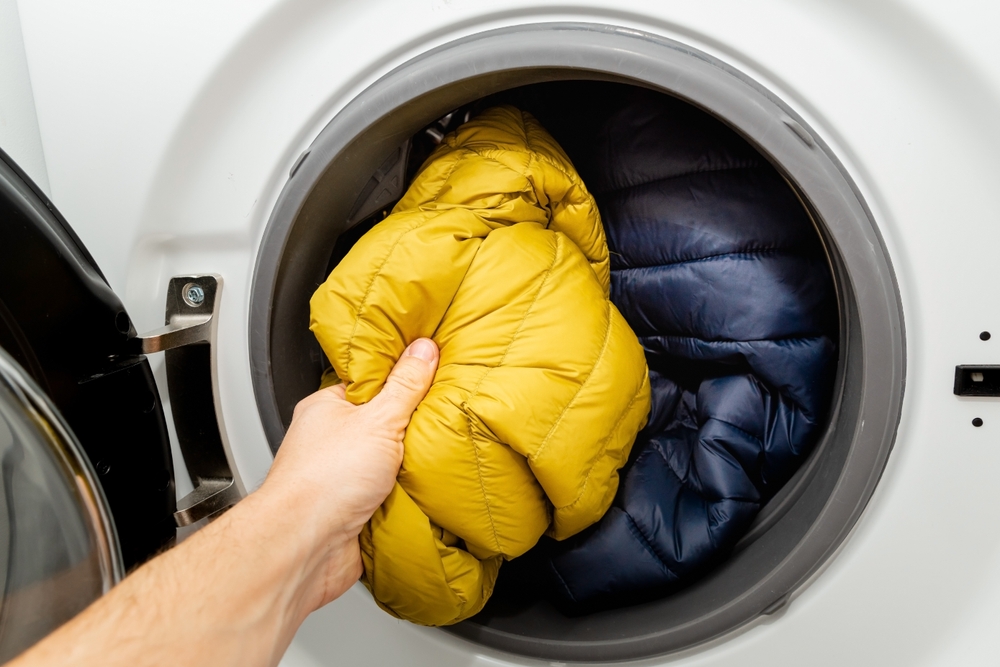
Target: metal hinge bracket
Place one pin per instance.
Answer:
(188, 342)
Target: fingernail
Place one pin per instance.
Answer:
(422, 348)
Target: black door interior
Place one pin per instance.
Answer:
(62, 322)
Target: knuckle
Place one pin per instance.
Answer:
(408, 378)
(301, 407)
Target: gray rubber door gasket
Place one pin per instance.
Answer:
(802, 527)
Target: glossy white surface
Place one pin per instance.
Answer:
(19, 136)
(168, 131)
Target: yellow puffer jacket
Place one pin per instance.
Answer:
(497, 253)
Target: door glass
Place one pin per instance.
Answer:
(55, 553)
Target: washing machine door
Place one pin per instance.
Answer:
(87, 471)
(63, 324)
(58, 547)
(84, 448)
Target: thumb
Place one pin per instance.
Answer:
(409, 380)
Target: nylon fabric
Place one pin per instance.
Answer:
(718, 269)
(496, 252)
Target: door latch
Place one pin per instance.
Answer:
(188, 342)
(977, 380)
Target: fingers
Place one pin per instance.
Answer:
(336, 391)
(409, 381)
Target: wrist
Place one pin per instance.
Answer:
(322, 557)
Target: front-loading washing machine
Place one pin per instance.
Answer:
(190, 143)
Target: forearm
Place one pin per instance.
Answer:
(236, 592)
(232, 594)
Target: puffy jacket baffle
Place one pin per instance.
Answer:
(718, 269)
(496, 252)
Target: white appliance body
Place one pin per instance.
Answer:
(168, 132)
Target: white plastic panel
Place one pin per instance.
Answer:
(169, 132)
(19, 136)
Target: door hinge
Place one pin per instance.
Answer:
(188, 341)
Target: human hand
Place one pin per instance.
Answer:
(339, 461)
(239, 588)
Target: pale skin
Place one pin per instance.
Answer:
(235, 592)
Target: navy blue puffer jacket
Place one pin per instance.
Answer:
(718, 269)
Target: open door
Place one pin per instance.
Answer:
(87, 474)
(64, 325)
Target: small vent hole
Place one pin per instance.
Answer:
(122, 322)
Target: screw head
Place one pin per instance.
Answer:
(193, 294)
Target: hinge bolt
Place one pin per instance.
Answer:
(193, 294)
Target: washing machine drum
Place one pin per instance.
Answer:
(86, 476)
(844, 404)
(717, 267)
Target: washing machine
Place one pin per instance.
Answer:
(209, 158)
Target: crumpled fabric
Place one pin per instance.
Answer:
(497, 253)
(718, 268)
